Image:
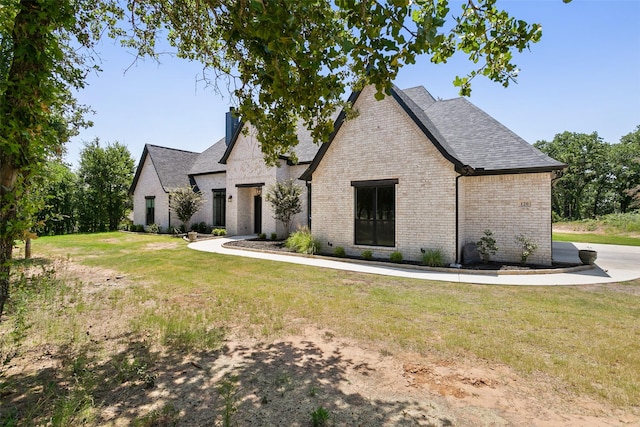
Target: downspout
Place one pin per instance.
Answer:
(457, 219)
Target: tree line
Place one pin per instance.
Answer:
(93, 199)
(600, 178)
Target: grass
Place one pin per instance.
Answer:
(596, 238)
(589, 339)
(613, 229)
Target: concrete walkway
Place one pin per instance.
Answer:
(614, 264)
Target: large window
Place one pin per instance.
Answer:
(219, 207)
(375, 216)
(150, 209)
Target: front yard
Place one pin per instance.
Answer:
(139, 330)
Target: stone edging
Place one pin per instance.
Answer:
(424, 267)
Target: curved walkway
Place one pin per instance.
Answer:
(614, 264)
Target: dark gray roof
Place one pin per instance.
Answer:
(171, 165)
(209, 160)
(465, 135)
(478, 140)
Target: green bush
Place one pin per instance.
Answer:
(339, 252)
(154, 228)
(274, 236)
(262, 236)
(319, 417)
(368, 255)
(487, 246)
(396, 257)
(219, 232)
(433, 257)
(303, 242)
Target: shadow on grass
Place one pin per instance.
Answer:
(277, 384)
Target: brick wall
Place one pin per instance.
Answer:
(149, 185)
(384, 143)
(508, 205)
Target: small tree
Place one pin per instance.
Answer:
(185, 202)
(284, 197)
(487, 246)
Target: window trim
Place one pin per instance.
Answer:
(223, 202)
(146, 209)
(376, 184)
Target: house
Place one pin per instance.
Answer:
(231, 175)
(410, 173)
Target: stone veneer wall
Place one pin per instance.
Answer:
(384, 143)
(508, 205)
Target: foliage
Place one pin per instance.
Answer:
(104, 176)
(527, 246)
(487, 246)
(339, 252)
(319, 417)
(44, 58)
(274, 236)
(600, 177)
(154, 228)
(185, 202)
(262, 236)
(302, 241)
(294, 61)
(59, 214)
(219, 232)
(228, 391)
(396, 257)
(367, 255)
(433, 257)
(200, 227)
(284, 197)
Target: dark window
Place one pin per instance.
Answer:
(375, 216)
(151, 210)
(219, 207)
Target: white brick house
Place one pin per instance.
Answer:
(408, 173)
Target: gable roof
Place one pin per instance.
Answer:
(465, 135)
(172, 166)
(305, 150)
(209, 160)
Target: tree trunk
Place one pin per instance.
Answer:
(27, 248)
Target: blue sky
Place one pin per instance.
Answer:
(583, 76)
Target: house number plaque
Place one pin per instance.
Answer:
(525, 203)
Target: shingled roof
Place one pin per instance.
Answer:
(476, 139)
(209, 160)
(171, 165)
(472, 140)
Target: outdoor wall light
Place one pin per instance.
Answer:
(230, 198)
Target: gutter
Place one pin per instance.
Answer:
(458, 219)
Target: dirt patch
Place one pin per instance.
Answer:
(281, 381)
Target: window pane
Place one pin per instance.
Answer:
(219, 206)
(375, 216)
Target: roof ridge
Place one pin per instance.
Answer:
(171, 148)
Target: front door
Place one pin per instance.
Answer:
(257, 214)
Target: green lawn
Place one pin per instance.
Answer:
(606, 239)
(588, 338)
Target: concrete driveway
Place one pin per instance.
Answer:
(614, 264)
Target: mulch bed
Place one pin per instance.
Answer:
(278, 246)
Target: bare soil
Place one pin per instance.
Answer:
(280, 382)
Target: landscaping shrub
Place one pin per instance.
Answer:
(339, 252)
(528, 246)
(368, 255)
(303, 242)
(432, 257)
(396, 257)
(262, 236)
(274, 236)
(487, 246)
(154, 228)
(219, 232)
